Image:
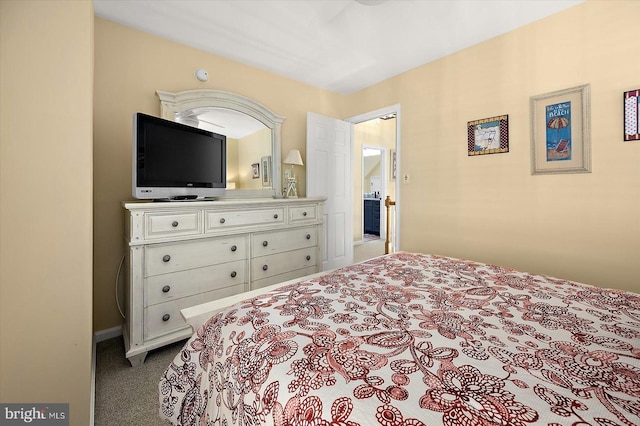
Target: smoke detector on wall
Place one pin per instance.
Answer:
(202, 75)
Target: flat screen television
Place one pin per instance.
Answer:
(175, 161)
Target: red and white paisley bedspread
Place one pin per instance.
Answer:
(412, 339)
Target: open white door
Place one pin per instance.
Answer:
(329, 174)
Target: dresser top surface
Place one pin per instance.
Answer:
(251, 202)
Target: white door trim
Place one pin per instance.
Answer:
(370, 116)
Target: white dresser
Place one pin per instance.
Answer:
(181, 254)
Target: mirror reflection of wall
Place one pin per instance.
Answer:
(250, 150)
(248, 141)
(371, 173)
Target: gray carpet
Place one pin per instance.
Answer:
(368, 250)
(128, 395)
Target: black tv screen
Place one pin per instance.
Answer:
(173, 160)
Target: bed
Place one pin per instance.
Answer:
(413, 339)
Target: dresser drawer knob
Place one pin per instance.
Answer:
(234, 248)
(222, 220)
(275, 216)
(175, 223)
(166, 258)
(304, 213)
(166, 289)
(265, 243)
(308, 236)
(265, 267)
(233, 274)
(308, 257)
(166, 317)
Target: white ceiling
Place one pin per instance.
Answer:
(338, 45)
(228, 122)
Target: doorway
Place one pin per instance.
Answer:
(375, 145)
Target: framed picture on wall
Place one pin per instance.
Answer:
(488, 135)
(560, 131)
(255, 171)
(393, 164)
(632, 115)
(266, 170)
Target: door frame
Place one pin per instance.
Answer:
(392, 109)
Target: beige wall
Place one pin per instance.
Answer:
(584, 227)
(129, 67)
(46, 70)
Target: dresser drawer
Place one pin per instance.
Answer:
(275, 279)
(219, 220)
(276, 264)
(165, 318)
(273, 242)
(167, 287)
(305, 213)
(172, 224)
(167, 258)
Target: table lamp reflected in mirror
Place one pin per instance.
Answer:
(293, 158)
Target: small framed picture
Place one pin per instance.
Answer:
(488, 135)
(393, 164)
(266, 170)
(632, 115)
(255, 170)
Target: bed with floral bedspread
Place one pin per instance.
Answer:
(413, 339)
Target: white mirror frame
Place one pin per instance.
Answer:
(172, 103)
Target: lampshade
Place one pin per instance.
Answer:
(293, 157)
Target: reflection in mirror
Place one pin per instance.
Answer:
(248, 144)
(253, 136)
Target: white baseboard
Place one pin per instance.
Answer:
(110, 333)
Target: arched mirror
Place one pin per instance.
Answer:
(253, 136)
